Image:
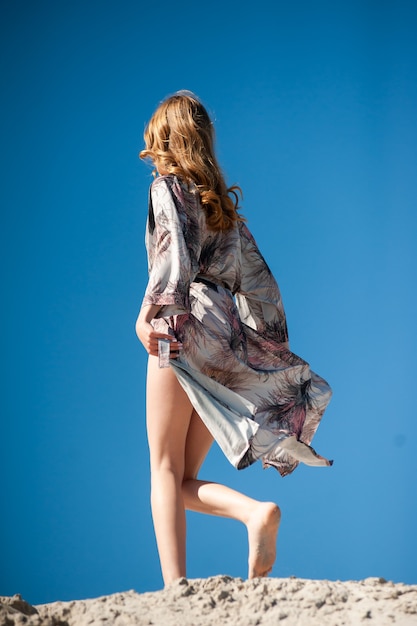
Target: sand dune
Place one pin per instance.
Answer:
(222, 600)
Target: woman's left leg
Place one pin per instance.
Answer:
(260, 518)
(168, 416)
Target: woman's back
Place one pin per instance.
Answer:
(177, 226)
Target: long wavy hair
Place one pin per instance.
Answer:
(179, 139)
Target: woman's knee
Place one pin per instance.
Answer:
(167, 468)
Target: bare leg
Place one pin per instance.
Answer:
(179, 442)
(261, 518)
(168, 416)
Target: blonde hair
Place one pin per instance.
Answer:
(179, 139)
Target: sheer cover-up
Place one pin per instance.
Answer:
(220, 299)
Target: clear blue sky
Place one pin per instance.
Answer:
(315, 109)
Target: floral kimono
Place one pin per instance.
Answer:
(219, 298)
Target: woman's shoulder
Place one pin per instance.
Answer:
(162, 181)
(173, 193)
(244, 231)
(163, 188)
(168, 180)
(182, 192)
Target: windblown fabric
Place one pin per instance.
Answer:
(219, 298)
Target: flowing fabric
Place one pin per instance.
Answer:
(219, 298)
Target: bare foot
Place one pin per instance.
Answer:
(262, 534)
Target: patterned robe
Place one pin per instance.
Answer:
(219, 298)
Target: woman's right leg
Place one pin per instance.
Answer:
(260, 518)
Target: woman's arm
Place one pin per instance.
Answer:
(148, 336)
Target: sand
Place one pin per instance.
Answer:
(223, 600)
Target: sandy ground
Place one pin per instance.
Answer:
(222, 600)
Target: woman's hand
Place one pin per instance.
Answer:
(149, 337)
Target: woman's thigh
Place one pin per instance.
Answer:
(168, 415)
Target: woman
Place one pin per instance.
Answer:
(231, 375)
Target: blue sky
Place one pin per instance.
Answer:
(314, 106)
